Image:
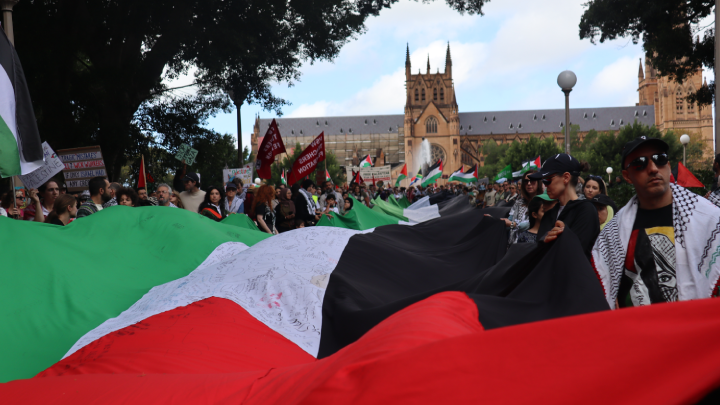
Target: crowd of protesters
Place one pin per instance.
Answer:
(642, 253)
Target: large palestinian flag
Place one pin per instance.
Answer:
(431, 313)
(469, 176)
(434, 172)
(20, 147)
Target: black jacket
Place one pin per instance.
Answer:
(301, 210)
(578, 215)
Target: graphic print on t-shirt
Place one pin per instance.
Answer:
(649, 275)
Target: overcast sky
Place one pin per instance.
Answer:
(508, 59)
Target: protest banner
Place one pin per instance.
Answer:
(367, 173)
(308, 159)
(272, 144)
(186, 153)
(52, 166)
(81, 165)
(243, 173)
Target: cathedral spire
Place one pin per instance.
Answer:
(407, 56)
(641, 75)
(428, 65)
(448, 61)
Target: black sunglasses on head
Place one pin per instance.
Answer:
(640, 163)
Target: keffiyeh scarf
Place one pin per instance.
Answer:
(309, 200)
(696, 223)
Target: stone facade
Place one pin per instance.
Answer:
(672, 110)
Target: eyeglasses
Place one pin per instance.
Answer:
(547, 180)
(640, 163)
(20, 198)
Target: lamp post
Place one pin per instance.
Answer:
(231, 93)
(684, 139)
(609, 172)
(566, 80)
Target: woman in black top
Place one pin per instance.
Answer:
(261, 207)
(64, 208)
(285, 211)
(211, 206)
(560, 174)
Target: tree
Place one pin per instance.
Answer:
(513, 154)
(91, 65)
(666, 27)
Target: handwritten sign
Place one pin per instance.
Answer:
(53, 165)
(186, 153)
(367, 173)
(243, 173)
(81, 165)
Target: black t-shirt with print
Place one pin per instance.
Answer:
(267, 214)
(649, 273)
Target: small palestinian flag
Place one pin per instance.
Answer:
(366, 161)
(403, 175)
(434, 173)
(469, 176)
(327, 176)
(418, 177)
(283, 180)
(21, 151)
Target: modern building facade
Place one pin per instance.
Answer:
(432, 112)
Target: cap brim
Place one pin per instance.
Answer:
(659, 142)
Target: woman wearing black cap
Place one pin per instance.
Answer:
(560, 174)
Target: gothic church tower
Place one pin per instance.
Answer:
(431, 112)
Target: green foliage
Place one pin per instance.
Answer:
(336, 174)
(513, 154)
(666, 29)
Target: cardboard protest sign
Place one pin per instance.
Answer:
(52, 166)
(81, 164)
(243, 173)
(186, 153)
(367, 173)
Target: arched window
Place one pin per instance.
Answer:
(690, 105)
(679, 101)
(431, 125)
(442, 94)
(435, 94)
(416, 95)
(423, 94)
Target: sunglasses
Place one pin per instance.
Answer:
(20, 198)
(639, 164)
(547, 180)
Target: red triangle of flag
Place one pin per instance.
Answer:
(686, 178)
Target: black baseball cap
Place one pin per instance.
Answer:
(560, 163)
(230, 184)
(641, 140)
(192, 177)
(602, 199)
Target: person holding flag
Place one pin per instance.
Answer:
(402, 176)
(366, 161)
(434, 172)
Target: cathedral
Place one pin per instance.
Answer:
(432, 113)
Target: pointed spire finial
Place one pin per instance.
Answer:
(428, 64)
(407, 55)
(448, 59)
(641, 74)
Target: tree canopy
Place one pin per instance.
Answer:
(668, 29)
(96, 69)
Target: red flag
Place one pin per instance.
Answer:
(537, 162)
(357, 179)
(142, 182)
(686, 178)
(272, 145)
(373, 177)
(308, 159)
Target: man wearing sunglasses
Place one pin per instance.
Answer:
(663, 246)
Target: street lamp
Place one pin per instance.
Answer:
(609, 172)
(684, 139)
(566, 80)
(238, 104)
